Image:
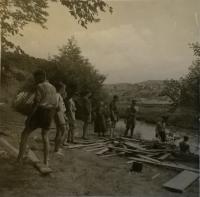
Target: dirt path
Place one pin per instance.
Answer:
(81, 173)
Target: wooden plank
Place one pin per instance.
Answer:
(85, 145)
(164, 164)
(31, 155)
(102, 151)
(90, 141)
(181, 181)
(135, 146)
(130, 139)
(94, 149)
(128, 150)
(113, 154)
(155, 176)
(8, 147)
(149, 158)
(123, 149)
(165, 156)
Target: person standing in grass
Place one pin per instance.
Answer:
(41, 116)
(60, 117)
(130, 119)
(114, 114)
(71, 115)
(87, 112)
(100, 119)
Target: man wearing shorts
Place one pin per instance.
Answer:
(43, 111)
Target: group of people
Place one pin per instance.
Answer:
(160, 134)
(53, 103)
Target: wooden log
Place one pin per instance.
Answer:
(8, 147)
(165, 156)
(155, 176)
(102, 151)
(135, 146)
(165, 164)
(85, 145)
(149, 158)
(113, 154)
(128, 150)
(90, 141)
(123, 149)
(181, 181)
(130, 139)
(94, 149)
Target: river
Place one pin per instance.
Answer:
(147, 131)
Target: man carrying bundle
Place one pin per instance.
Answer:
(42, 114)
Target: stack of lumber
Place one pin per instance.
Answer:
(145, 151)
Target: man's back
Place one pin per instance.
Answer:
(46, 95)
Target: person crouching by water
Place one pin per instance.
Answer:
(130, 119)
(60, 117)
(71, 115)
(160, 129)
(184, 146)
(114, 114)
(41, 116)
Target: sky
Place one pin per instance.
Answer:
(142, 40)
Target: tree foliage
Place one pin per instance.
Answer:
(68, 66)
(185, 91)
(15, 14)
(71, 67)
(172, 89)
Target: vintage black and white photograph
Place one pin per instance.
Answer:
(99, 98)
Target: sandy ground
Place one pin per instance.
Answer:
(78, 173)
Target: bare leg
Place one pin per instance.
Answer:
(111, 132)
(63, 133)
(132, 128)
(69, 135)
(132, 131)
(45, 139)
(23, 144)
(85, 126)
(72, 134)
(57, 138)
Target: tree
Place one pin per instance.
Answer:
(185, 91)
(74, 69)
(15, 14)
(192, 79)
(172, 89)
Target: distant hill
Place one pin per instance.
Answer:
(144, 92)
